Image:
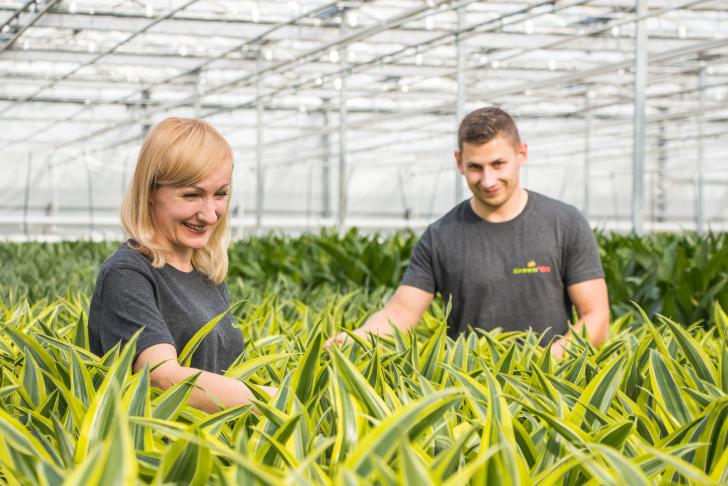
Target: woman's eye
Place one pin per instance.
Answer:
(221, 194)
(190, 195)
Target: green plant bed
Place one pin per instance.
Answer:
(649, 407)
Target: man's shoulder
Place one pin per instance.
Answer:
(554, 210)
(456, 216)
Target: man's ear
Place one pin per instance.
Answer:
(459, 161)
(523, 153)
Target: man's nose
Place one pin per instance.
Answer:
(488, 178)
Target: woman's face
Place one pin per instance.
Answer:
(185, 216)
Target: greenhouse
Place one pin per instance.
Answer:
(363, 242)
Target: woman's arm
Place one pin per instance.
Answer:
(227, 391)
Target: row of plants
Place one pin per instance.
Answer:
(678, 275)
(648, 407)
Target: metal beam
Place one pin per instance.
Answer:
(100, 55)
(345, 40)
(6, 45)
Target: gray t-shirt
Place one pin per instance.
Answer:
(170, 304)
(512, 274)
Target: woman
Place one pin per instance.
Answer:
(168, 277)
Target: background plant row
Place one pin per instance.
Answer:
(678, 275)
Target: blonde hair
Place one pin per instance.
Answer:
(177, 152)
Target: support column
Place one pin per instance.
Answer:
(587, 154)
(240, 191)
(90, 189)
(661, 173)
(53, 207)
(198, 93)
(326, 168)
(143, 106)
(26, 195)
(640, 88)
(461, 93)
(341, 217)
(259, 176)
(699, 193)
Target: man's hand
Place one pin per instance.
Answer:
(403, 310)
(342, 338)
(559, 346)
(592, 304)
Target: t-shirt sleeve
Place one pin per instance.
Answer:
(581, 253)
(421, 272)
(127, 305)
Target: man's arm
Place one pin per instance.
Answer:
(592, 304)
(403, 310)
(228, 391)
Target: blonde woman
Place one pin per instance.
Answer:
(168, 278)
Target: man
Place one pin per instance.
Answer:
(507, 257)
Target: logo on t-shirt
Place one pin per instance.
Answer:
(532, 267)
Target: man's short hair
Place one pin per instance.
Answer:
(484, 124)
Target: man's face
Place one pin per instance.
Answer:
(492, 169)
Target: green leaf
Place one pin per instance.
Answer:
(33, 380)
(112, 461)
(137, 404)
(186, 461)
(17, 436)
(99, 418)
(169, 404)
(626, 472)
(81, 384)
(698, 359)
(358, 385)
(303, 375)
(80, 334)
(383, 439)
(599, 393)
(666, 390)
(185, 357)
(251, 366)
(411, 469)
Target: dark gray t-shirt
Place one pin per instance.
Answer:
(512, 274)
(170, 304)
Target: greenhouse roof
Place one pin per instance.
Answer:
(376, 83)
